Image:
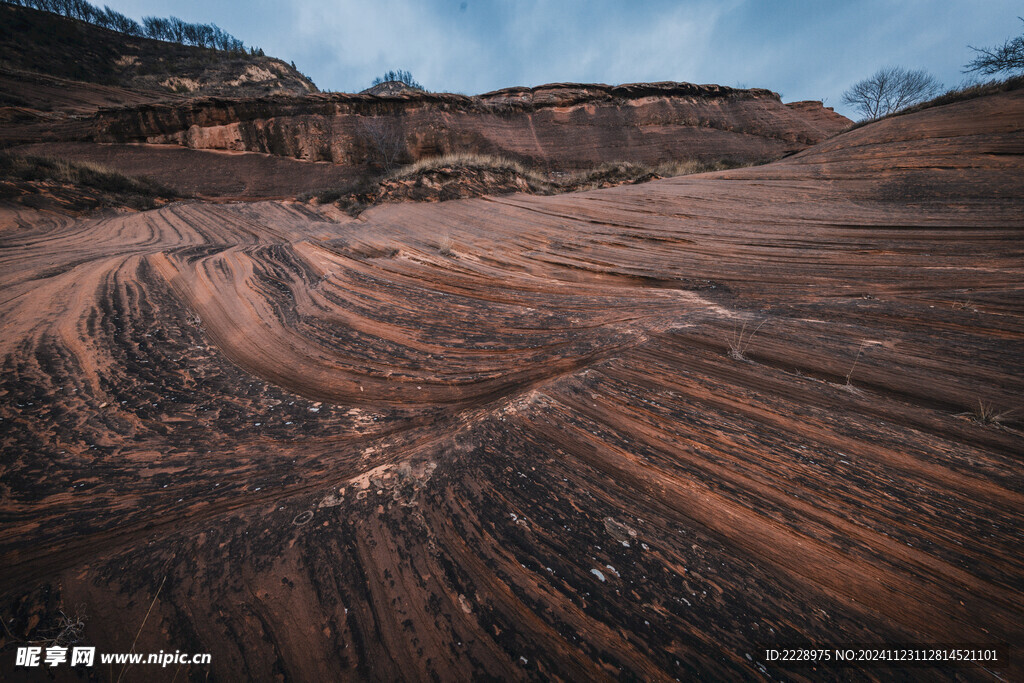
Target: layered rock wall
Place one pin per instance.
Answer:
(554, 126)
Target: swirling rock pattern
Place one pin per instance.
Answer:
(635, 433)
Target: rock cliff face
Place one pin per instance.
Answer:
(553, 126)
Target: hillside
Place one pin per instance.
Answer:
(34, 42)
(637, 433)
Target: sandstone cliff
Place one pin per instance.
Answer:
(556, 126)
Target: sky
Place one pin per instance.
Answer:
(802, 49)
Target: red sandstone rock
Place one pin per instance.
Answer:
(640, 432)
(554, 126)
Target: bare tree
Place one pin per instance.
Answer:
(1007, 57)
(890, 89)
(386, 141)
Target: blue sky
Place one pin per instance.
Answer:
(804, 49)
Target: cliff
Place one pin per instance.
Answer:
(556, 126)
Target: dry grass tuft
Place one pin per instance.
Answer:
(741, 342)
(469, 161)
(19, 174)
(611, 171)
(445, 247)
(965, 304)
(987, 414)
(69, 630)
(691, 166)
(849, 375)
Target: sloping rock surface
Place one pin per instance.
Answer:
(634, 433)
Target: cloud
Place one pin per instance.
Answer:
(487, 46)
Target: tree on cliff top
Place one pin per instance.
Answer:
(1007, 57)
(399, 76)
(890, 89)
(171, 29)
